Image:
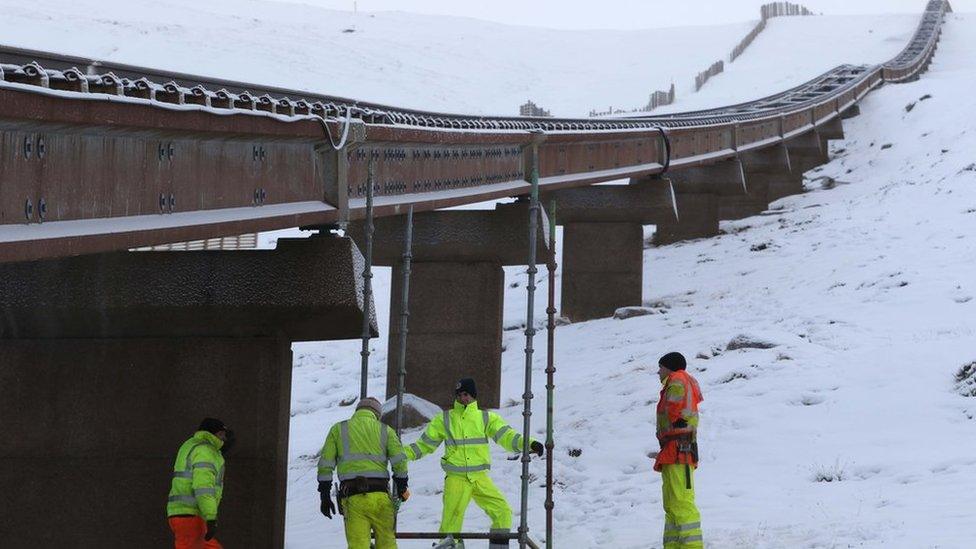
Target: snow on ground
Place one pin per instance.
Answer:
(437, 63)
(867, 291)
(801, 48)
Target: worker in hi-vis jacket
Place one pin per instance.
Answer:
(198, 486)
(677, 427)
(358, 451)
(465, 430)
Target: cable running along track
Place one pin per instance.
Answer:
(101, 156)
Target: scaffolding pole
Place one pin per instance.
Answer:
(367, 282)
(402, 355)
(404, 316)
(529, 334)
(550, 369)
(534, 215)
(461, 536)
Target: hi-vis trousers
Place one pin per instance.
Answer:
(365, 512)
(682, 523)
(188, 533)
(460, 489)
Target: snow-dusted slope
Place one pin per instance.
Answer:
(438, 63)
(435, 63)
(868, 292)
(792, 50)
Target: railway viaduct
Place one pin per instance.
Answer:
(108, 357)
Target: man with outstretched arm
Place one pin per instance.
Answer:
(677, 428)
(358, 450)
(465, 430)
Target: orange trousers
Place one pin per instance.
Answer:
(189, 532)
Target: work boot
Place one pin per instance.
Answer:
(449, 543)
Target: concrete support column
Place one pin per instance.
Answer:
(851, 112)
(697, 218)
(769, 172)
(806, 152)
(109, 362)
(455, 330)
(706, 194)
(830, 131)
(603, 243)
(603, 268)
(456, 294)
(92, 426)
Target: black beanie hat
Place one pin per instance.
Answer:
(212, 426)
(673, 362)
(467, 385)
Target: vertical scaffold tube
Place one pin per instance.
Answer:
(550, 368)
(367, 282)
(529, 334)
(404, 316)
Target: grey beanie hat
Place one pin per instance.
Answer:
(370, 403)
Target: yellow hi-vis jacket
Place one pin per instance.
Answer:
(361, 447)
(198, 477)
(465, 431)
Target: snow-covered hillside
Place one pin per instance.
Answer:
(865, 287)
(798, 49)
(436, 63)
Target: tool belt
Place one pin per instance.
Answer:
(363, 485)
(687, 444)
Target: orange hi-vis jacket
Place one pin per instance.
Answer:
(677, 419)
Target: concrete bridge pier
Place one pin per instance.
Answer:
(603, 243)
(603, 269)
(456, 294)
(851, 112)
(697, 218)
(108, 363)
(454, 331)
(806, 152)
(769, 172)
(830, 131)
(707, 194)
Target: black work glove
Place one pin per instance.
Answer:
(538, 448)
(211, 530)
(327, 507)
(401, 487)
(325, 495)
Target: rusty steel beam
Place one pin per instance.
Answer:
(99, 162)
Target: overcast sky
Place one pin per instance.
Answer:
(620, 14)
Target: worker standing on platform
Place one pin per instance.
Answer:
(198, 485)
(677, 426)
(358, 450)
(465, 430)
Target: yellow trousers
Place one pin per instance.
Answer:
(460, 489)
(682, 522)
(365, 512)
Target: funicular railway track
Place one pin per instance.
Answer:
(99, 156)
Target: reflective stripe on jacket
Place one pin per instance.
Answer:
(680, 395)
(361, 447)
(198, 477)
(465, 431)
